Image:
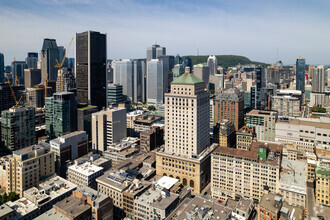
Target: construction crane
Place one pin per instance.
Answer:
(59, 66)
(12, 91)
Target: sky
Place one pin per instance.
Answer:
(253, 28)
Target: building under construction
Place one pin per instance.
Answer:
(6, 97)
(18, 127)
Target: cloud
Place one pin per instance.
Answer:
(254, 29)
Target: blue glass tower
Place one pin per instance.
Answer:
(300, 74)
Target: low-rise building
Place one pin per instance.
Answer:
(49, 192)
(322, 191)
(116, 151)
(6, 212)
(293, 186)
(84, 173)
(244, 138)
(145, 122)
(225, 133)
(24, 209)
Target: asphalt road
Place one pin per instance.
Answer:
(310, 203)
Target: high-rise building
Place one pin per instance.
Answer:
(6, 97)
(108, 127)
(155, 51)
(178, 59)
(2, 68)
(156, 85)
(186, 155)
(202, 71)
(49, 55)
(18, 127)
(300, 74)
(68, 81)
(32, 77)
(17, 68)
(61, 53)
(226, 134)
(231, 167)
(229, 105)
(35, 97)
(91, 77)
(256, 91)
(187, 63)
(263, 122)
(319, 80)
(178, 70)
(168, 64)
(115, 93)
(286, 106)
(212, 64)
(32, 60)
(26, 167)
(61, 114)
(130, 74)
(84, 117)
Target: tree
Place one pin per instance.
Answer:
(318, 108)
(151, 108)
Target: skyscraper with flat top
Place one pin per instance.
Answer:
(32, 60)
(49, 55)
(156, 82)
(155, 51)
(91, 75)
(319, 80)
(2, 68)
(300, 74)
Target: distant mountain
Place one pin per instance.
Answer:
(225, 60)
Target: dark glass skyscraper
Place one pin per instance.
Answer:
(2, 68)
(49, 54)
(91, 57)
(32, 60)
(155, 51)
(300, 74)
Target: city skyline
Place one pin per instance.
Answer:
(252, 29)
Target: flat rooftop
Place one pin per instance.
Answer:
(52, 214)
(22, 207)
(321, 122)
(72, 206)
(5, 209)
(268, 202)
(166, 182)
(199, 205)
(86, 168)
(255, 112)
(114, 180)
(293, 176)
(152, 198)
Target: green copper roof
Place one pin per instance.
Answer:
(187, 78)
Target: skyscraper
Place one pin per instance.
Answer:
(186, 155)
(18, 127)
(32, 77)
(61, 114)
(2, 68)
(202, 71)
(156, 86)
(49, 55)
(155, 51)
(32, 60)
(91, 78)
(319, 79)
(213, 65)
(130, 74)
(300, 74)
(18, 71)
(168, 64)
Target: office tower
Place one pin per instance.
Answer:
(31, 60)
(68, 147)
(212, 64)
(17, 68)
(187, 63)
(256, 90)
(178, 60)
(226, 134)
(130, 74)
(155, 51)
(273, 75)
(178, 70)
(68, 81)
(300, 74)
(109, 71)
(217, 82)
(319, 80)
(286, 106)
(61, 53)
(229, 105)
(91, 78)
(71, 63)
(115, 94)
(84, 117)
(49, 55)
(244, 138)
(187, 133)
(26, 167)
(168, 64)
(202, 71)
(108, 127)
(32, 77)
(156, 86)
(18, 127)
(6, 98)
(231, 167)
(263, 123)
(35, 97)
(2, 68)
(61, 114)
